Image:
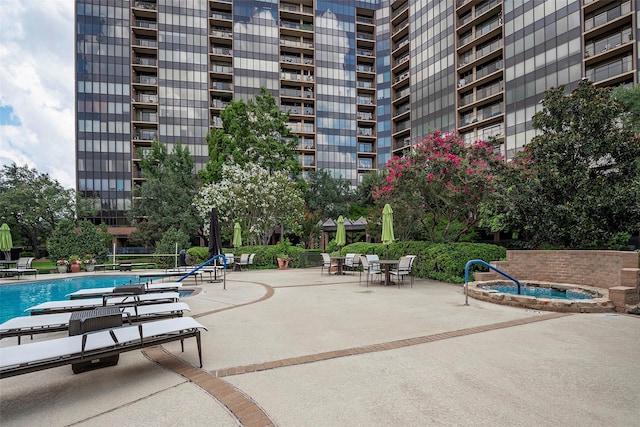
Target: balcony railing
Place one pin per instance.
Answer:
(366, 68)
(221, 15)
(146, 80)
(364, 52)
(147, 135)
(365, 100)
(365, 36)
(400, 26)
(482, 8)
(402, 59)
(611, 69)
(402, 93)
(399, 11)
(145, 42)
(401, 77)
(140, 60)
(402, 125)
(364, 115)
(219, 103)
(291, 59)
(147, 99)
(602, 17)
(221, 68)
(147, 117)
(222, 32)
(488, 69)
(221, 85)
(404, 41)
(365, 132)
(145, 5)
(365, 84)
(142, 23)
(365, 147)
(403, 108)
(364, 20)
(222, 51)
(609, 42)
(488, 27)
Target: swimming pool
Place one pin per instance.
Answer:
(15, 298)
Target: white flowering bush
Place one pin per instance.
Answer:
(260, 201)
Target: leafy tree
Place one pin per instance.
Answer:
(325, 195)
(576, 185)
(167, 245)
(629, 98)
(253, 132)
(164, 200)
(441, 184)
(256, 198)
(77, 238)
(34, 202)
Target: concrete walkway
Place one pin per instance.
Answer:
(294, 348)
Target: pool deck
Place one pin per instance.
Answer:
(297, 348)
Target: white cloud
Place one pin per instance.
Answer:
(37, 81)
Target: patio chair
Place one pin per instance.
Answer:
(91, 346)
(23, 266)
(243, 262)
(350, 262)
(44, 323)
(251, 258)
(326, 262)
(230, 260)
(404, 269)
(369, 269)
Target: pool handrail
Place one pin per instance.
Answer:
(204, 264)
(486, 264)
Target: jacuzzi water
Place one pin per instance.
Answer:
(539, 292)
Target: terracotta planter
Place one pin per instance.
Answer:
(75, 268)
(283, 263)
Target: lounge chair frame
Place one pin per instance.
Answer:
(186, 327)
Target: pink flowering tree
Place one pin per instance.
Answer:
(441, 182)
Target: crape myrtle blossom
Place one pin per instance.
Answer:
(443, 180)
(259, 200)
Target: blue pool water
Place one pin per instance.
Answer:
(15, 298)
(534, 291)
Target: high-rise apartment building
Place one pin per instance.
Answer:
(361, 79)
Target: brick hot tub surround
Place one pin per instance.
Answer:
(616, 272)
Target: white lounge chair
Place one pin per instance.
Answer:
(32, 357)
(23, 266)
(44, 323)
(90, 303)
(326, 262)
(146, 287)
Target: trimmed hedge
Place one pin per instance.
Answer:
(265, 255)
(439, 261)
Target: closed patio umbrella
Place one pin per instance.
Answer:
(341, 233)
(237, 235)
(387, 226)
(5, 241)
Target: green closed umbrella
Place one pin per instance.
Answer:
(5, 241)
(387, 226)
(237, 235)
(341, 233)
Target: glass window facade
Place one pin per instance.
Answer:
(361, 79)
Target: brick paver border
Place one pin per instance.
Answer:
(248, 412)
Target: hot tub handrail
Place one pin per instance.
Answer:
(204, 264)
(486, 264)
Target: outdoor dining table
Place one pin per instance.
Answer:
(339, 263)
(387, 264)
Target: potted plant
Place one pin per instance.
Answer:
(75, 263)
(63, 265)
(89, 262)
(283, 255)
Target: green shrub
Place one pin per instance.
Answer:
(198, 255)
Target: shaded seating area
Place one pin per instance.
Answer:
(45, 323)
(96, 345)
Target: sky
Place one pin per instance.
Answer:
(36, 87)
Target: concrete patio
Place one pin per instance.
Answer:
(297, 348)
